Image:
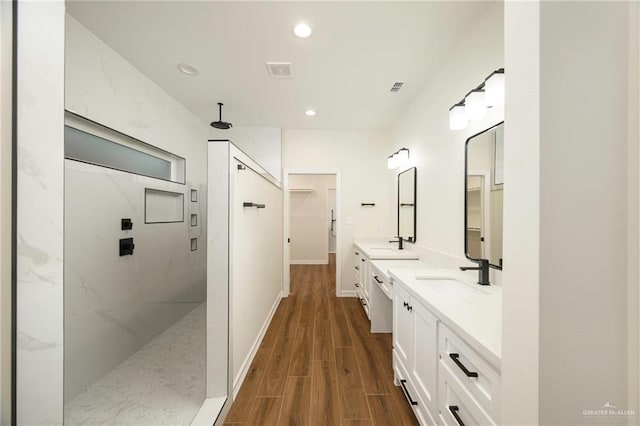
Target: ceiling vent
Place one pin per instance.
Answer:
(396, 86)
(280, 69)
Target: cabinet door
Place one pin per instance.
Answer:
(402, 325)
(425, 355)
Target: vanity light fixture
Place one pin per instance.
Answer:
(494, 88)
(310, 113)
(457, 117)
(302, 30)
(475, 106)
(399, 158)
(488, 94)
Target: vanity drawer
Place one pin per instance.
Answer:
(379, 279)
(455, 406)
(364, 302)
(475, 375)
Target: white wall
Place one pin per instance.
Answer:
(569, 174)
(244, 262)
(634, 207)
(262, 144)
(583, 187)
(436, 151)
(520, 310)
(102, 86)
(309, 218)
(40, 212)
(6, 61)
(115, 305)
(361, 158)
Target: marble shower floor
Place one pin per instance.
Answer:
(161, 384)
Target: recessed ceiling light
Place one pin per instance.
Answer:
(302, 30)
(310, 112)
(188, 69)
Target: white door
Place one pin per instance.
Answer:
(331, 206)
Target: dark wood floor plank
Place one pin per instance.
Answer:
(384, 410)
(359, 422)
(318, 364)
(323, 340)
(325, 409)
(275, 376)
(276, 322)
(296, 407)
(246, 395)
(307, 311)
(302, 353)
(371, 371)
(266, 411)
(353, 401)
(341, 335)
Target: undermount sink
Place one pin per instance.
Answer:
(446, 284)
(382, 249)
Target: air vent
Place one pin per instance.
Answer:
(397, 86)
(280, 69)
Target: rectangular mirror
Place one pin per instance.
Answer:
(407, 205)
(484, 184)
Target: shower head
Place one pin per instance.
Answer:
(221, 124)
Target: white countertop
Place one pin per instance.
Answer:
(384, 250)
(472, 311)
(383, 267)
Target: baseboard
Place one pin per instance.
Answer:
(237, 383)
(348, 293)
(309, 262)
(210, 412)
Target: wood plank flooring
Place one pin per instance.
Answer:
(318, 364)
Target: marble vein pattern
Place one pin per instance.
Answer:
(161, 384)
(40, 183)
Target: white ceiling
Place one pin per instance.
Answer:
(344, 70)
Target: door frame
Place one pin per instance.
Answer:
(286, 284)
(486, 201)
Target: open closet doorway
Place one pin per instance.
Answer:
(312, 236)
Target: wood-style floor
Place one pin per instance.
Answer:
(318, 363)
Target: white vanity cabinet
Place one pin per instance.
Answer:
(372, 285)
(477, 383)
(415, 353)
(360, 279)
(446, 379)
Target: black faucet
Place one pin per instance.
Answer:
(399, 241)
(483, 271)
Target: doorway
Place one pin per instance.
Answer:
(311, 221)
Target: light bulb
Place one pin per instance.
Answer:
(403, 157)
(475, 106)
(457, 118)
(494, 89)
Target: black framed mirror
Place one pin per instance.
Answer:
(407, 204)
(483, 195)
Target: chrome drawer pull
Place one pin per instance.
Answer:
(455, 359)
(406, 393)
(454, 411)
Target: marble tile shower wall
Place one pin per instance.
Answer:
(115, 305)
